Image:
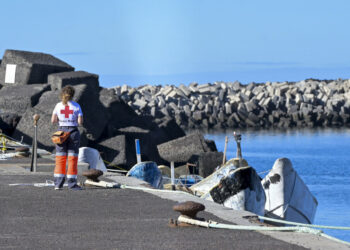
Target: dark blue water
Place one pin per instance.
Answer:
(321, 158)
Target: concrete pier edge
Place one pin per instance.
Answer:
(234, 216)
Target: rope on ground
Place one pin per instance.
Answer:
(302, 224)
(299, 229)
(113, 165)
(263, 172)
(154, 190)
(248, 228)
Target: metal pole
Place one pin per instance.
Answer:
(238, 139)
(33, 165)
(172, 173)
(224, 158)
(138, 150)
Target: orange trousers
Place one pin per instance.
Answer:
(61, 163)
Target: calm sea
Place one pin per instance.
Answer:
(321, 158)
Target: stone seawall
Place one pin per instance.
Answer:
(308, 103)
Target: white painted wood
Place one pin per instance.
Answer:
(212, 180)
(252, 200)
(102, 184)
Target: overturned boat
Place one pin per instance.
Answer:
(147, 171)
(287, 196)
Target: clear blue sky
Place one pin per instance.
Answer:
(182, 41)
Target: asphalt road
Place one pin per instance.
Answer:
(42, 218)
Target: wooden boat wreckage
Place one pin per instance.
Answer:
(235, 185)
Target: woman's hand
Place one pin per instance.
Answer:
(54, 118)
(80, 120)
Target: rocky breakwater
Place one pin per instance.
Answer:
(30, 84)
(309, 103)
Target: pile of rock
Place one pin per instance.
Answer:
(308, 103)
(30, 84)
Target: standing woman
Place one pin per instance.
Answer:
(68, 114)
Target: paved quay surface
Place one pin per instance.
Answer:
(42, 218)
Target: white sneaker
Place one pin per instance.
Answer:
(58, 188)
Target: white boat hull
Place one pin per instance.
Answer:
(287, 196)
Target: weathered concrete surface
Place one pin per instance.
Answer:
(114, 150)
(181, 149)
(38, 218)
(95, 115)
(25, 126)
(59, 80)
(208, 161)
(17, 99)
(8, 122)
(31, 67)
(120, 115)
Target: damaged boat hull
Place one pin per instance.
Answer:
(235, 187)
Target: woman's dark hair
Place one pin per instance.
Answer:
(67, 94)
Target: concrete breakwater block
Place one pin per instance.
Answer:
(148, 143)
(95, 115)
(119, 114)
(233, 105)
(44, 108)
(114, 150)
(208, 161)
(120, 149)
(59, 80)
(171, 129)
(24, 67)
(17, 99)
(181, 149)
(8, 122)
